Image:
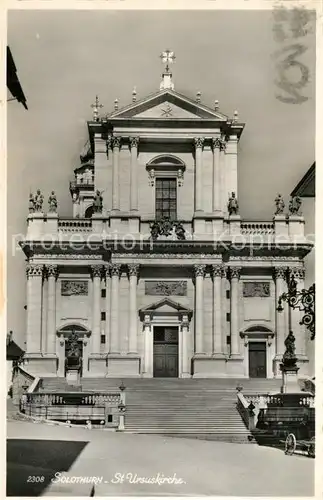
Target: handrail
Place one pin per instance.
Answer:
(35, 385)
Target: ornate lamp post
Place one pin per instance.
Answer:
(304, 300)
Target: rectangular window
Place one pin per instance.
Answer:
(102, 316)
(228, 317)
(166, 198)
(102, 339)
(103, 293)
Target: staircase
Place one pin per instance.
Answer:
(199, 408)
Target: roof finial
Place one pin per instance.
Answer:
(167, 57)
(96, 107)
(134, 95)
(235, 116)
(216, 105)
(116, 105)
(198, 96)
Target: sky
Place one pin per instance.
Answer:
(65, 58)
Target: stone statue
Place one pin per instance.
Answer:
(52, 202)
(38, 200)
(280, 205)
(289, 357)
(31, 203)
(295, 205)
(233, 207)
(98, 203)
(179, 231)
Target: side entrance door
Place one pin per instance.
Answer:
(257, 360)
(165, 351)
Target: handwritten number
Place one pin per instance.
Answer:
(283, 67)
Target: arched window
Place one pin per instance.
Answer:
(89, 212)
(166, 174)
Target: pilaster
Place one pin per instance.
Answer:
(114, 315)
(96, 309)
(234, 274)
(116, 142)
(199, 270)
(34, 306)
(134, 141)
(133, 270)
(52, 272)
(199, 141)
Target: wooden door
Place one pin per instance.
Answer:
(257, 360)
(165, 351)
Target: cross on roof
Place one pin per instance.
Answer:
(96, 107)
(168, 57)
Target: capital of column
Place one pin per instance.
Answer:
(218, 271)
(185, 325)
(133, 269)
(34, 270)
(116, 142)
(133, 141)
(96, 271)
(234, 272)
(199, 270)
(279, 272)
(297, 273)
(218, 143)
(52, 270)
(199, 141)
(115, 269)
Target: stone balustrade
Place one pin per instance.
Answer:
(282, 230)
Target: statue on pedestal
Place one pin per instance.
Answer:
(31, 203)
(295, 205)
(233, 207)
(280, 205)
(289, 357)
(39, 200)
(52, 202)
(98, 203)
(179, 231)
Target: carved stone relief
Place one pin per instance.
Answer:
(69, 287)
(166, 288)
(256, 289)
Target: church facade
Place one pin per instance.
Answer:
(156, 274)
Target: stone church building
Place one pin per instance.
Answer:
(156, 273)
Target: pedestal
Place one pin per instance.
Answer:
(289, 380)
(234, 225)
(123, 366)
(41, 365)
(97, 365)
(209, 366)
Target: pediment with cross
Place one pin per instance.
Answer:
(167, 104)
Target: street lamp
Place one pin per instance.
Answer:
(303, 300)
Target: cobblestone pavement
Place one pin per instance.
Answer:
(129, 464)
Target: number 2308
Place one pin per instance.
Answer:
(36, 479)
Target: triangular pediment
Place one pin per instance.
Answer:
(165, 305)
(167, 104)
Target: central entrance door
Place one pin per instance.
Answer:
(165, 351)
(257, 360)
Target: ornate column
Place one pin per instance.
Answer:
(107, 307)
(217, 272)
(234, 308)
(51, 309)
(216, 202)
(134, 141)
(114, 314)
(281, 326)
(96, 310)
(34, 298)
(133, 278)
(199, 141)
(223, 182)
(199, 270)
(116, 141)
